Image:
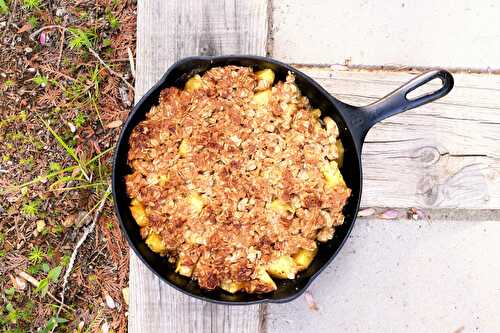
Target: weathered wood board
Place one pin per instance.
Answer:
(448, 33)
(168, 31)
(442, 155)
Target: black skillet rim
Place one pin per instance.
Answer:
(159, 85)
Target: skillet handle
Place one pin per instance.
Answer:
(397, 101)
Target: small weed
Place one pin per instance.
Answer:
(80, 119)
(58, 229)
(54, 273)
(36, 255)
(41, 80)
(80, 38)
(83, 15)
(54, 166)
(10, 291)
(27, 161)
(52, 324)
(12, 314)
(22, 116)
(31, 209)
(106, 42)
(2, 253)
(65, 260)
(8, 83)
(33, 21)
(32, 4)
(5, 157)
(74, 90)
(34, 269)
(114, 23)
(110, 225)
(43, 287)
(4, 9)
(69, 150)
(50, 252)
(52, 276)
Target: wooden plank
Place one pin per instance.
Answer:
(167, 31)
(444, 154)
(450, 33)
(404, 276)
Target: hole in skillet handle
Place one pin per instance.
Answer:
(425, 89)
(398, 101)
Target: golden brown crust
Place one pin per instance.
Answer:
(208, 164)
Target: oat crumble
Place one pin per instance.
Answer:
(234, 176)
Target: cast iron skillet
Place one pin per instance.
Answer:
(353, 122)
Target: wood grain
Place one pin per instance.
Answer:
(444, 154)
(166, 32)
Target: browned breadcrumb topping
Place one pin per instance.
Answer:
(230, 184)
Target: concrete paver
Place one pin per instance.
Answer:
(404, 276)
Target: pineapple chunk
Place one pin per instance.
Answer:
(316, 113)
(196, 202)
(138, 213)
(262, 283)
(262, 97)
(155, 243)
(304, 257)
(194, 83)
(332, 174)
(266, 79)
(281, 207)
(231, 286)
(163, 180)
(182, 269)
(340, 152)
(283, 267)
(331, 127)
(194, 238)
(184, 148)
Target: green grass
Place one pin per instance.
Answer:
(71, 152)
(80, 38)
(32, 4)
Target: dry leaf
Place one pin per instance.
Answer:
(40, 225)
(125, 295)
(416, 214)
(109, 301)
(311, 303)
(72, 127)
(105, 327)
(42, 38)
(24, 28)
(20, 283)
(366, 212)
(389, 214)
(114, 124)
